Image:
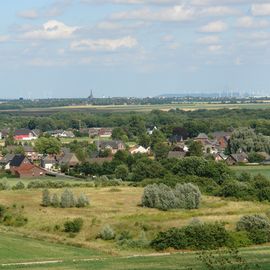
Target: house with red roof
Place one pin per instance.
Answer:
(22, 167)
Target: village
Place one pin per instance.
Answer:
(22, 159)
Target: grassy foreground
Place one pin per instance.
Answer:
(15, 250)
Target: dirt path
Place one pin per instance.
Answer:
(82, 260)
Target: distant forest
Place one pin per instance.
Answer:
(136, 123)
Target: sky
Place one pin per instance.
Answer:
(65, 48)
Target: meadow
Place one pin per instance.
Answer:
(119, 207)
(253, 170)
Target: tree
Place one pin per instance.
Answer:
(157, 137)
(144, 140)
(19, 150)
(55, 201)
(46, 198)
(161, 150)
(67, 199)
(247, 140)
(82, 201)
(48, 145)
(195, 149)
(118, 133)
(121, 171)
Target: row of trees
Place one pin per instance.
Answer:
(67, 199)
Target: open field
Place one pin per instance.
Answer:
(120, 208)
(15, 250)
(139, 108)
(254, 170)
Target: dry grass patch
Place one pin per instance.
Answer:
(121, 210)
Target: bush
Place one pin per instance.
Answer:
(4, 185)
(67, 199)
(253, 222)
(107, 233)
(19, 185)
(188, 196)
(239, 190)
(196, 237)
(82, 201)
(55, 201)
(162, 197)
(46, 198)
(14, 219)
(257, 227)
(240, 239)
(140, 243)
(73, 226)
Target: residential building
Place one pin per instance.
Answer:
(22, 167)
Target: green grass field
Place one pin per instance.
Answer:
(15, 250)
(253, 170)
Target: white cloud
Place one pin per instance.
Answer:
(108, 25)
(176, 13)
(214, 27)
(260, 9)
(250, 22)
(214, 48)
(209, 40)
(104, 44)
(218, 11)
(51, 30)
(28, 14)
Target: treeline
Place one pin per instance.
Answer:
(135, 124)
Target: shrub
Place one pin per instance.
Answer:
(264, 194)
(239, 190)
(82, 201)
(67, 199)
(240, 239)
(196, 237)
(73, 226)
(166, 199)
(257, 227)
(19, 185)
(4, 185)
(55, 201)
(253, 222)
(14, 219)
(46, 198)
(107, 233)
(2, 211)
(187, 196)
(141, 242)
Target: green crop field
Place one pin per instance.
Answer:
(140, 108)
